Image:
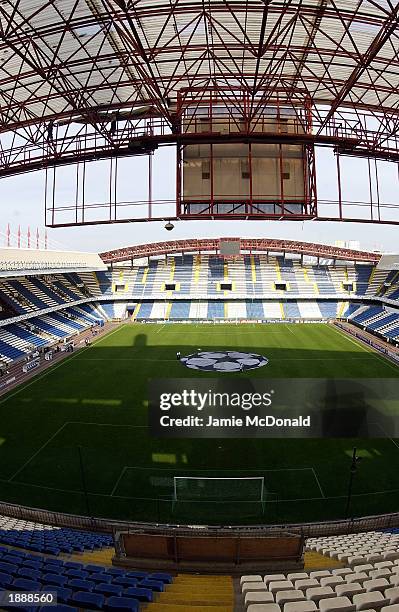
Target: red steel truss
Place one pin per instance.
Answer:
(104, 79)
(247, 245)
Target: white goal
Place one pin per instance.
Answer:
(204, 489)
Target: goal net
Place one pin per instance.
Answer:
(199, 488)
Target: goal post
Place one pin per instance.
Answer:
(219, 490)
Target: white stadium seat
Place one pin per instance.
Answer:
(336, 604)
(252, 597)
(251, 578)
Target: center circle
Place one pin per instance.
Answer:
(223, 361)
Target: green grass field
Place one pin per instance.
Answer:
(96, 400)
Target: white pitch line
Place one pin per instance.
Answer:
(370, 350)
(65, 425)
(388, 437)
(126, 359)
(300, 499)
(231, 348)
(123, 470)
(55, 367)
(36, 453)
(181, 469)
(318, 482)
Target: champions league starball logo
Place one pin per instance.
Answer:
(228, 361)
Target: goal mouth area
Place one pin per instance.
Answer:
(198, 489)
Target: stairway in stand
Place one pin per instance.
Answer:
(193, 593)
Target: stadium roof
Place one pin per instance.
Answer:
(75, 58)
(246, 244)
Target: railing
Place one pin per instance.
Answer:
(12, 265)
(68, 148)
(38, 313)
(59, 519)
(130, 297)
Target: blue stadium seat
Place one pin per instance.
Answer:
(139, 593)
(115, 571)
(11, 558)
(52, 550)
(28, 572)
(101, 577)
(125, 580)
(33, 564)
(94, 568)
(76, 573)
(59, 608)
(5, 579)
(24, 584)
(56, 579)
(63, 594)
(91, 601)
(122, 604)
(154, 585)
(73, 565)
(49, 568)
(139, 575)
(81, 585)
(8, 568)
(56, 562)
(108, 589)
(167, 578)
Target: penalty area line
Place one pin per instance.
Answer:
(318, 482)
(387, 436)
(121, 475)
(37, 452)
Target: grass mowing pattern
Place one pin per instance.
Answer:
(97, 400)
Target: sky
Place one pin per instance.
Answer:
(22, 200)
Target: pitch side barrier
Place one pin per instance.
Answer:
(233, 321)
(307, 530)
(375, 345)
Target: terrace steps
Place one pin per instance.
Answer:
(196, 593)
(316, 561)
(100, 557)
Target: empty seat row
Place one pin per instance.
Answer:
(339, 604)
(300, 594)
(49, 540)
(78, 585)
(354, 549)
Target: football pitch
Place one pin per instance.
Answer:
(75, 438)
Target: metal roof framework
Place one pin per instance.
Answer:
(249, 245)
(82, 80)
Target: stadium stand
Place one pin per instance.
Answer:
(40, 309)
(363, 575)
(367, 579)
(379, 320)
(17, 340)
(354, 549)
(83, 586)
(46, 539)
(249, 275)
